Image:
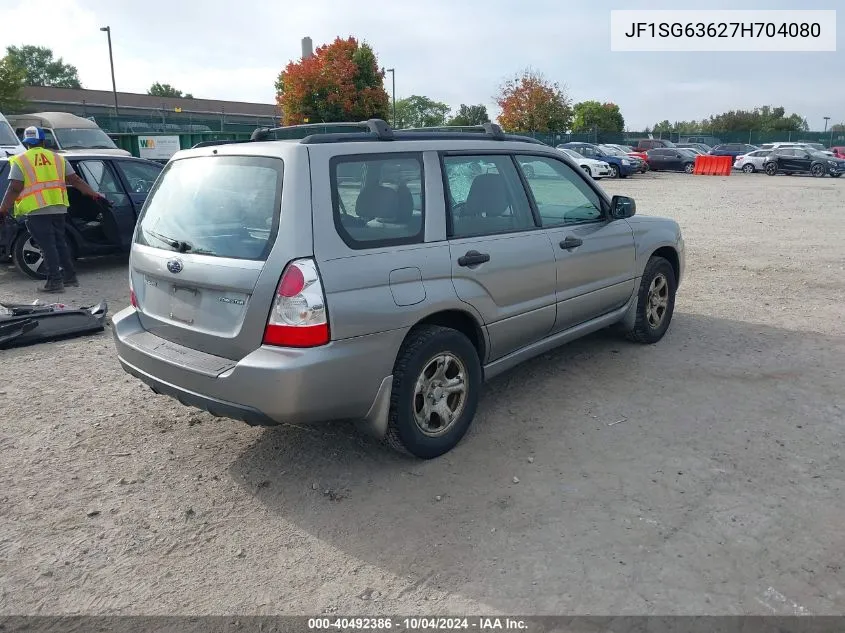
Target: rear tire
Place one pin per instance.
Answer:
(689, 168)
(655, 302)
(27, 256)
(427, 392)
(748, 168)
(771, 169)
(836, 175)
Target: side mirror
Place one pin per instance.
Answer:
(622, 207)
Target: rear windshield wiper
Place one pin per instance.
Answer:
(180, 245)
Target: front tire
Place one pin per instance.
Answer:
(836, 175)
(436, 382)
(614, 171)
(587, 171)
(655, 302)
(818, 171)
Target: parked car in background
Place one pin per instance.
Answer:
(9, 143)
(258, 278)
(92, 228)
(620, 167)
(710, 141)
(595, 168)
(838, 151)
(815, 146)
(637, 158)
(798, 160)
(645, 144)
(732, 149)
(694, 150)
(701, 148)
(752, 161)
(671, 159)
(67, 132)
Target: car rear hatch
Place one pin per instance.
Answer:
(213, 239)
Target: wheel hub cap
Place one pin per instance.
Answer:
(440, 394)
(657, 301)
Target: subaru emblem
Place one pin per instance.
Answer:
(174, 266)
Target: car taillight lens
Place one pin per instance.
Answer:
(298, 316)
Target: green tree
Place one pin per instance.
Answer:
(166, 90)
(11, 86)
(419, 111)
(839, 127)
(40, 69)
(470, 115)
(601, 117)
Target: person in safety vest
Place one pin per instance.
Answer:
(38, 191)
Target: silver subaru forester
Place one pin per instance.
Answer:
(380, 275)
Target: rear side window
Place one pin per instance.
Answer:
(378, 199)
(222, 206)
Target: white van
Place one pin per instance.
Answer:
(67, 132)
(9, 143)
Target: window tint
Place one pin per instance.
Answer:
(224, 206)
(486, 195)
(139, 176)
(99, 176)
(562, 197)
(378, 201)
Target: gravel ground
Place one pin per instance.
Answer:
(702, 475)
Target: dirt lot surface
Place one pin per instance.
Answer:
(701, 475)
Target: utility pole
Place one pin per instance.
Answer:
(107, 29)
(826, 119)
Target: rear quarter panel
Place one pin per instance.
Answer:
(364, 288)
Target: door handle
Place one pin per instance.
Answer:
(473, 258)
(571, 242)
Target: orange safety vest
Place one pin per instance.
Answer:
(44, 180)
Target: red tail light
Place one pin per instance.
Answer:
(133, 299)
(298, 316)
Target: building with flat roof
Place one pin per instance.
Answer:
(141, 113)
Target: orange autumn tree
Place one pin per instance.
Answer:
(531, 103)
(341, 81)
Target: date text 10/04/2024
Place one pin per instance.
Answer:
(481, 624)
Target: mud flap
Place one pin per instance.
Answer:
(22, 324)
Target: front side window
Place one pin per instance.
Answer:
(378, 200)
(562, 197)
(139, 176)
(223, 206)
(486, 196)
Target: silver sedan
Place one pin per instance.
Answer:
(752, 161)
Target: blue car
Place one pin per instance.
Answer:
(620, 167)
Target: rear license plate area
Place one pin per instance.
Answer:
(184, 302)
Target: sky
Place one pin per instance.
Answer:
(455, 51)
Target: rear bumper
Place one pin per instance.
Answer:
(340, 380)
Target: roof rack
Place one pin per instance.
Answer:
(490, 129)
(378, 129)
